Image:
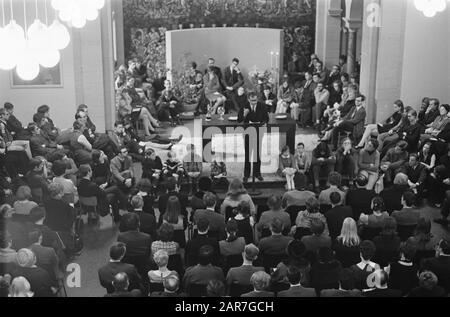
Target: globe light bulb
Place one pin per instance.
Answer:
(28, 66)
(59, 35)
(48, 58)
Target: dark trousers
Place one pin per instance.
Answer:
(343, 127)
(346, 166)
(305, 116)
(231, 103)
(317, 167)
(116, 198)
(445, 211)
(256, 157)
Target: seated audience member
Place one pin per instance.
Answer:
(334, 179)
(359, 198)
(260, 281)
(215, 289)
(48, 126)
(40, 281)
(346, 286)
(213, 90)
(325, 271)
(302, 163)
(435, 128)
(146, 192)
(353, 122)
(417, 175)
(285, 97)
(300, 195)
(192, 165)
(115, 265)
(379, 283)
(428, 286)
(269, 99)
(45, 256)
(294, 276)
(121, 284)
(245, 222)
(317, 239)
(6, 134)
(403, 273)
(366, 267)
(216, 220)
(409, 132)
(59, 215)
(121, 170)
(275, 244)
(440, 265)
(172, 189)
(204, 271)
(427, 157)
(237, 193)
(23, 205)
(7, 254)
(392, 196)
(305, 217)
(232, 81)
(408, 216)
(296, 256)
(80, 146)
(232, 245)
(37, 180)
(20, 287)
(321, 96)
(347, 244)
(147, 222)
(152, 166)
(387, 242)
(161, 259)
(13, 124)
(369, 163)
(346, 159)
(337, 214)
(424, 241)
(286, 168)
(322, 162)
(429, 111)
(219, 172)
(276, 212)
(166, 241)
(41, 146)
(393, 162)
(373, 130)
(194, 245)
(173, 167)
(176, 220)
(171, 286)
(242, 275)
(138, 244)
(376, 219)
(70, 191)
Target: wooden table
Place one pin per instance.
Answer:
(287, 126)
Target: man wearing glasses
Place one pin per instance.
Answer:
(256, 113)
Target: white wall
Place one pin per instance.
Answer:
(251, 45)
(426, 67)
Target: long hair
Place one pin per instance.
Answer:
(236, 188)
(173, 210)
(349, 233)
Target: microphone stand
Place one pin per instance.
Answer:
(254, 192)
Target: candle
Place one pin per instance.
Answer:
(180, 26)
(202, 25)
(191, 25)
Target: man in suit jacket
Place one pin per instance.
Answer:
(243, 274)
(416, 173)
(260, 281)
(193, 246)
(46, 257)
(232, 80)
(138, 244)
(360, 198)
(216, 220)
(107, 272)
(408, 216)
(256, 112)
(121, 169)
(147, 222)
(296, 290)
(353, 122)
(336, 215)
(121, 285)
(276, 244)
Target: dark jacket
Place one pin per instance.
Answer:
(193, 246)
(360, 200)
(335, 219)
(59, 216)
(107, 273)
(298, 291)
(259, 115)
(441, 267)
(138, 243)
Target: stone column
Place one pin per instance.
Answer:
(344, 41)
(351, 50)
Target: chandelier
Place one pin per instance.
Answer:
(429, 8)
(26, 48)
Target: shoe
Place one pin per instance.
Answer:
(245, 179)
(260, 178)
(443, 222)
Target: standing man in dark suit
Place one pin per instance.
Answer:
(360, 198)
(193, 246)
(337, 214)
(232, 80)
(254, 112)
(294, 276)
(107, 272)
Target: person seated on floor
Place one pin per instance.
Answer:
(394, 161)
(138, 114)
(276, 211)
(334, 180)
(37, 180)
(80, 146)
(369, 163)
(346, 160)
(48, 127)
(135, 99)
(121, 285)
(321, 96)
(260, 281)
(323, 161)
(242, 275)
(193, 166)
(173, 167)
(122, 171)
(41, 146)
(152, 167)
(300, 195)
(409, 215)
(23, 205)
(10, 143)
(430, 113)
(417, 175)
(286, 167)
(392, 196)
(428, 286)
(119, 137)
(70, 190)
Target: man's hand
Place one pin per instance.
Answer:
(103, 186)
(246, 112)
(391, 132)
(128, 183)
(230, 88)
(60, 147)
(447, 181)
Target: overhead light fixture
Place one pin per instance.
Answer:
(430, 8)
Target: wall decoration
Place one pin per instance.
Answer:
(47, 78)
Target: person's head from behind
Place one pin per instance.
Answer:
(37, 214)
(443, 247)
(144, 185)
(161, 258)
(165, 232)
(210, 200)
(205, 255)
(274, 202)
(367, 250)
(401, 179)
(36, 165)
(171, 184)
(5, 240)
(20, 287)
(35, 237)
(173, 210)
(204, 184)
(243, 209)
(131, 222)
(56, 191)
(407, 251)
(346, 279)
(276, 226)
(260, 281)
(26, 258)
(85, 171)
(250, 253)
(335, 198)
(294, 275)
(117, 251)
(121, 282)
(317, 227)
(361, 181)
(300, 181)
(137, 202)
(312, 205)
(23, 193)
(171, 284)
(231, 228)
(203, 225)
(428, 280)
(377, 204)
(59, 168)
(408, 198)
(349, 233)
